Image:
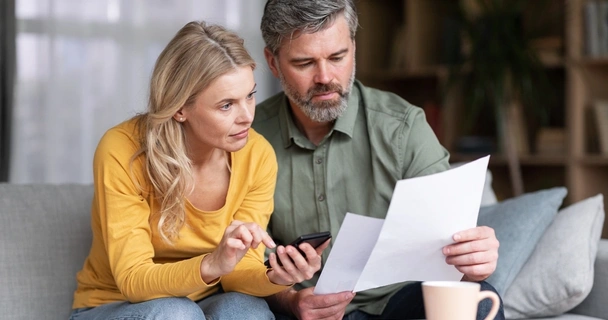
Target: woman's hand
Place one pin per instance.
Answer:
(296, 267)
(238, 238)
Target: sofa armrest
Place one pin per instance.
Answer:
(595, 304)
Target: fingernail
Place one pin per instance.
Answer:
(273, 244)
(457, 237)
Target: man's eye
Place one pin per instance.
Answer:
(337, 59)
(250, 96)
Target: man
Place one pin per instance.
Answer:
(341, 147)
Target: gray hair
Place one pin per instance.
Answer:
(283, 18)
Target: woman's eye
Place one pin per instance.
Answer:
(250, 96)
(226, 106)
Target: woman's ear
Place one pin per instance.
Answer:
(179, 116)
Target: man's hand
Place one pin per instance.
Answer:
(304, 305)
(474, 253)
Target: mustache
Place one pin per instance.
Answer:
(322, 88)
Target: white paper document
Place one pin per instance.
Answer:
(424, 213)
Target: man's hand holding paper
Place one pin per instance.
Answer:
(474, 253)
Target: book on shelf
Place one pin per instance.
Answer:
(551, 141)
(600, 109)
(596, 28)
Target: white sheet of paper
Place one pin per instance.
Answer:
(353, 245)
(423, 215)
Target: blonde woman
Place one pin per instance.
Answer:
(183, 196)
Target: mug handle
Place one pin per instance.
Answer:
(495, 303)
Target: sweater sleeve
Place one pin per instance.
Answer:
(124, 215)
(249, 276)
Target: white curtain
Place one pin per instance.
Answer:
(83, 66)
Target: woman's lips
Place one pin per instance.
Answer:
(242, 134)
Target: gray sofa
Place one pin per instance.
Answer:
(45, 236)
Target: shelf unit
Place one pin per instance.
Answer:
(400, 48)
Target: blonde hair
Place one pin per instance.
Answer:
(196, 56)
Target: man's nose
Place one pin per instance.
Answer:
(323, 74)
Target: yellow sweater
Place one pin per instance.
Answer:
(129, 261)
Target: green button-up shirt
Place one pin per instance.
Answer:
(378, 140)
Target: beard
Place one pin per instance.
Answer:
(320, 111)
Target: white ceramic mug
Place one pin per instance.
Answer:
(455, 300)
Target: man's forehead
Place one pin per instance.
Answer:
(326, 42)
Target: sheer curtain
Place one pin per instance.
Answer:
(84, 66)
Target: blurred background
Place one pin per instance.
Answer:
(81, 67)
(524, 81)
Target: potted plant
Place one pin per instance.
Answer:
(499, 72)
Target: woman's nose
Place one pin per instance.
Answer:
(247, 111)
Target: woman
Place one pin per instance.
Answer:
(183, 194)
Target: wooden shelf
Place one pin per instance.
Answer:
(437, 71)
(419, 72)
(594, 160)
(594, 62)
(554, 64)
(525, 160)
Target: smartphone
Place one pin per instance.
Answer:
(314, 239)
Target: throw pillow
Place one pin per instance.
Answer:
(559, 274)
(519, 223)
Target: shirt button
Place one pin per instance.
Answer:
(319, 160)
(321, 197)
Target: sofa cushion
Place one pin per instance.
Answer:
(595, 304)
(519, 223)
(45, 235)
(559, 273)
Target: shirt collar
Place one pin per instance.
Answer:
(288, 127)
(345, 123)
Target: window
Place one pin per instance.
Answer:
(84, 66)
